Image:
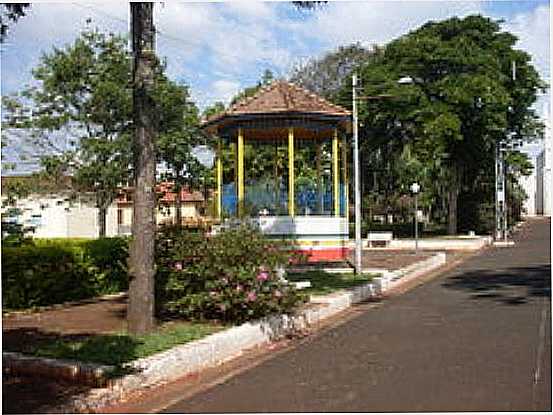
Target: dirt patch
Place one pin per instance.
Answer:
(392, 259)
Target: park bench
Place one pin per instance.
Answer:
(381, 237)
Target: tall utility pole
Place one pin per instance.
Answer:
(140, 312)
(356, 183)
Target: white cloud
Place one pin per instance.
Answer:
(378, 22)
(225, 89)
(532, 29)
(47, 25)
(235, 41)
(251, 10)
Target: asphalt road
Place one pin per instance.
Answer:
(477, 338)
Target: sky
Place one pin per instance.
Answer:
(219, 48)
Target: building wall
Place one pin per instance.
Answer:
(547, 165)
(55, 217)
(47, 215)
(82, 222)
(123, 219)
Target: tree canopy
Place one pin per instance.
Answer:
(84, 89)
(458, 99)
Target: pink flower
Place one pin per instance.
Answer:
(251, 296)
(277, 294)
(238, 288)
(262, 276)
(212, 293)
(178, 266)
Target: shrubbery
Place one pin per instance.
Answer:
(230, 277)
(51, 271)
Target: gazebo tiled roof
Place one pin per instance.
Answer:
(281, 98)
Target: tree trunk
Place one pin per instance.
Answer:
(452, 195)
(140, 312)
(178, 204)
(102, 214)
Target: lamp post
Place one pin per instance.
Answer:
(415, 188)
(357, 175)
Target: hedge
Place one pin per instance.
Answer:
(52, 271)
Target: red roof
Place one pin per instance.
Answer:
(282, 97)
(167, 194)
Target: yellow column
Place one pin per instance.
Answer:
(219, 179)
(335, 174)
(240, 186)
(345, 176)
(291, 193)
(319, 179)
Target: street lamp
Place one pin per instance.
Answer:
(415, 188)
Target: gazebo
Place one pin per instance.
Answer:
(282, 163)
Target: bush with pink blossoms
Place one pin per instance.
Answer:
(229, 277)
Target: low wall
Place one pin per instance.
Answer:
(462, 244)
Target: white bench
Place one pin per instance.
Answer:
(382, 236)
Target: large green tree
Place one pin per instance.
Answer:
(458, 102)
(83, 90)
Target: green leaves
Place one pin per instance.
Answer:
(461, 102)
(230, 276)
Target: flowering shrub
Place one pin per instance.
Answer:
(230, 277)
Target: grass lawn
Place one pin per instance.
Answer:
(118, 349)
(326, 283)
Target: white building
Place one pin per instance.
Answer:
(543, 172)
(538, 186)
(57, 216)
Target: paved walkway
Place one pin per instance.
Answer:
(477, 338)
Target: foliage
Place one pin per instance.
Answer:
(179, 132)
(231, 276)
(461, 101)
(51, 271)
(14, 233)
(214, 109)
(83, 90)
